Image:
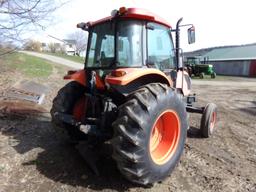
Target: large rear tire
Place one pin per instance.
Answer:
(69, 100)
(149, 134)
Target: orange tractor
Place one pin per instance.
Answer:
(133, 93)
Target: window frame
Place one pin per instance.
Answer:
(168, 30)
(116, 23)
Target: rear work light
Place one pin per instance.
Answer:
(121, 11)
(118, 73)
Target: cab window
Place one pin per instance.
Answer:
(160, 47)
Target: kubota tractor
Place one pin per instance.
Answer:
(133, 93)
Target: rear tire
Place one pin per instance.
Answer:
(140, 156)
(213, 75)
(65, 102)
(208, 120)
(201, 75)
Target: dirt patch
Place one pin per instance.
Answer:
(34, 158)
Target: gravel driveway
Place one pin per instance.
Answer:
(55, 59)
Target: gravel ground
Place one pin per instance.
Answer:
(34, 158)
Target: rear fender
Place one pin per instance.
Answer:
(133, 78)
(183, 82)
(80, 77)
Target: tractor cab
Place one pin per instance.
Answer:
(122, 43)
(133, 39)
(130, 38)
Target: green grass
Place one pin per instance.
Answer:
(28, 65)
(68, 57)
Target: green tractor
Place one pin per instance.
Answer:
(197, 69)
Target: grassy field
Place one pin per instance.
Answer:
(28, 65)
(69, 57)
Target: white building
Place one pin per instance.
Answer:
(69, 46)
(53, 44)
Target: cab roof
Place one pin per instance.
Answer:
(134, 13)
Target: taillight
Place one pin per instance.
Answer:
(118, 73)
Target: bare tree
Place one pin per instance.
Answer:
(80, 38)
(32, 45)
(56, 48)
(17, 16)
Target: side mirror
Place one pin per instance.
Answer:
(83, 26)
(191, 35)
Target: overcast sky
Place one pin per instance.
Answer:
(217, 22)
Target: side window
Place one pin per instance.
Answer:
(129, 43)
(92, 50)
(124, 52)
(107, 46)
(160, 47)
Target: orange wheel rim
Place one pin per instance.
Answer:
(213, 120)
(165, 137)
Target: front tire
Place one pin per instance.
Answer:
(208, 120)
(201, 75)
(149, 134)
